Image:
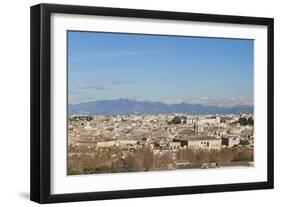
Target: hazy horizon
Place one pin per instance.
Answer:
(208, 102)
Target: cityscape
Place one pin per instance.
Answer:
(132, 143)
(140, 103)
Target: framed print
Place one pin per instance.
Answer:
(133, 103)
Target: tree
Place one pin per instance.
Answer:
(226, 155)
(215, 156)
(250, 121)
(147, 159)
(244, 154)
(243, 121)
(186, 155)
(178, 120)
(244, 142)
(130, 163)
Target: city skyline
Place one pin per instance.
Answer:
(168, 69)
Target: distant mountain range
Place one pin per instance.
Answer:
(126, 106)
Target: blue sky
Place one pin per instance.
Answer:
(159, 68)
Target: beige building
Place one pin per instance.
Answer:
(196, 142)
(207, 143)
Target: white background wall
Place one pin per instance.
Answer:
(14, 101)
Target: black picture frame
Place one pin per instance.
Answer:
(41, 99)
